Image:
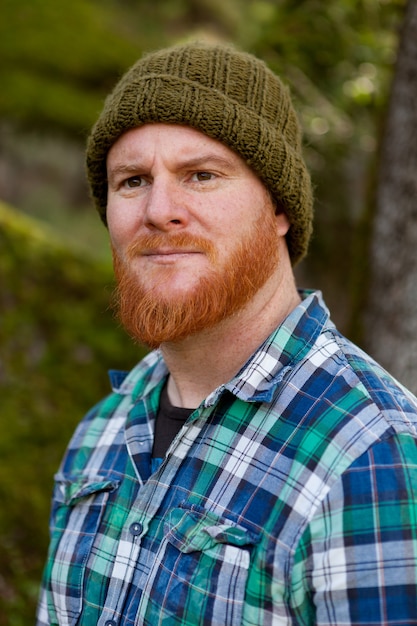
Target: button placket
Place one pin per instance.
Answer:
(148, 501)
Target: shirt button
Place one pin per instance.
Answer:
(110, 622)
(135, 529)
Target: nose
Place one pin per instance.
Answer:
(165, 207)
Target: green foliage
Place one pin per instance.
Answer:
(338, 60)
(57, 340)
(59, 60)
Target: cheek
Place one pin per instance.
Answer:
(122, 223)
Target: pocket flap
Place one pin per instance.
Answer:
(233, 535)
(191, 530)
(71, 489)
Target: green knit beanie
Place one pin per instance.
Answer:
(230, 96)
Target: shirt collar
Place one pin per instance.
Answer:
(279, 354)
(268, 365)
(142, 379)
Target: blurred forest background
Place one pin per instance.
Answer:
(351, 65)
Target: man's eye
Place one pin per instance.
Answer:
(202, 176)
(134, 181)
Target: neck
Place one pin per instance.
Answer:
(202, 362)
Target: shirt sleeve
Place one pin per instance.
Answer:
(42, 618)
(356, 563)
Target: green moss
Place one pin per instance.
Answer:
(57, 340)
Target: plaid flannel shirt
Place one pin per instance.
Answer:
(289, 496)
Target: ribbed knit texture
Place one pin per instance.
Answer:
(230, 96)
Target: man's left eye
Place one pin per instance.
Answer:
(202, 176)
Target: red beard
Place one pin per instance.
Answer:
(151, 318)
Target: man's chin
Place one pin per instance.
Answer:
(170, 285)
(164, 314)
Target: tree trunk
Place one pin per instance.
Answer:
(391, 317)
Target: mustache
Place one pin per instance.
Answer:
(177, 241)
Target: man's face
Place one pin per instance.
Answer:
(193, 231)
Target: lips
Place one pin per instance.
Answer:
(168, 256)
(168, 252)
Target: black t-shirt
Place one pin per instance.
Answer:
(169, 420)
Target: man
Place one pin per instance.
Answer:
(256, 467)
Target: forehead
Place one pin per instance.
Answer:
(171, 140)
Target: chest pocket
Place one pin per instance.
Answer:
(200, 572)
(78, 507)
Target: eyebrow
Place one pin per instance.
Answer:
(123, 170)
(207, 159)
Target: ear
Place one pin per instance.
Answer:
(282, 223)
(281, 219)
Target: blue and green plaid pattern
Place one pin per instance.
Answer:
(289, 497)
